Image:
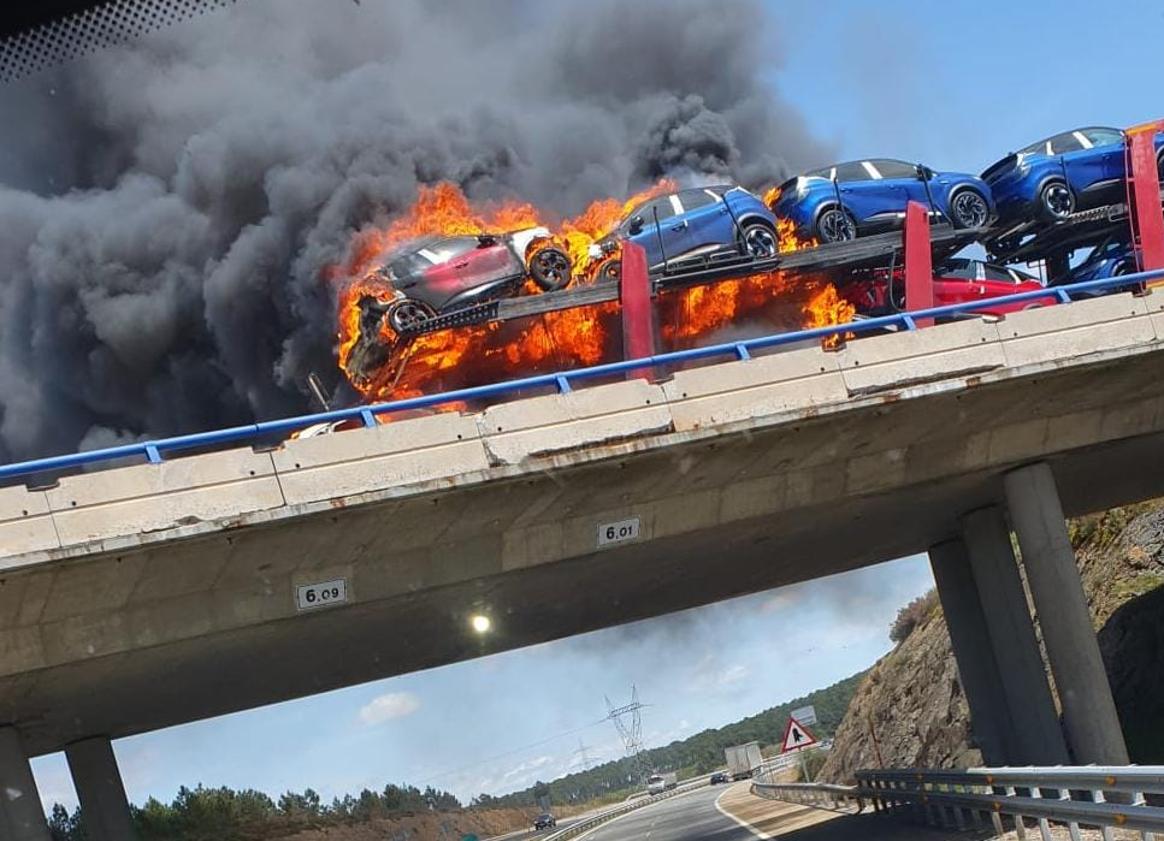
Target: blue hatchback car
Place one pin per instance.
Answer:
(848, 200)
(1049, 180)
(695, 221)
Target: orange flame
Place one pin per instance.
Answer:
(475, 354)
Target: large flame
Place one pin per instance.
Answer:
(477, 354)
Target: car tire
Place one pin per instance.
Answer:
(406, 315)
(969, 209)
(835, 224)
(759, 240)
(609, 269)
(550, 268)
(1056, 201)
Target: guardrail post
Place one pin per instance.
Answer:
(638, 323)
(919, 261)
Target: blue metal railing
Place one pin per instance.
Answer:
(154, 451)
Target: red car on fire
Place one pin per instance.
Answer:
(957, 281)
(440, 274)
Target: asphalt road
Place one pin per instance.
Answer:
(687, 817)
(693, 817)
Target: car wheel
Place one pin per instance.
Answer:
(835, 225)
(407, 315)
(608, 269)
(759, 240)
(1056, 201)
(550, 268)
(968, 209)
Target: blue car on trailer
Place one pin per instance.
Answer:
(687, 223)
(1113, 257)
(1059, 175)
(844, 201)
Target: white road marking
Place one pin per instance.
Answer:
(759, 833)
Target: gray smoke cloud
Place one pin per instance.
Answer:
(166, 206)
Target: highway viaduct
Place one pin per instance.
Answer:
(144, 596)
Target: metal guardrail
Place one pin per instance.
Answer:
(591, 823)
(1108, 798)
(154, 451)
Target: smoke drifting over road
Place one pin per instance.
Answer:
(166, 207)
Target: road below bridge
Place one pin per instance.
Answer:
(734, 814)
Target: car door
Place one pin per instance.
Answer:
(863, 192)
(1108, 143)
(958, 282)
(486, 263)
(655, 217)
(1081, 162)
(709, 222)
(903, 179)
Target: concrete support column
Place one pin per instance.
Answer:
(104, 806)
(1089, 712)
(970, 638)
(1037, 734)
(21, 814)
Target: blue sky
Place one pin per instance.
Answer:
(956, 85)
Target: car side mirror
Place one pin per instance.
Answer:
(486, 240)
(924, 172)
(636, 225)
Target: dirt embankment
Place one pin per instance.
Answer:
(911, 710)
(429, 826)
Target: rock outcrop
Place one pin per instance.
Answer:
(911, 710)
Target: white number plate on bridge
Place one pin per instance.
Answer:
(323, 594)
(619, 532)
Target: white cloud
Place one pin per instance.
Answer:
(389, 706)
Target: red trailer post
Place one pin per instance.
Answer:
(919, 261)
(1145, 216)
(638, 324)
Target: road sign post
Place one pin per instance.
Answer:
(797, 737)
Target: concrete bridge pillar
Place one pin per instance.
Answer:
(104, 806)
(21, 814)
(1089, 712)
(1038, 738)
(977, 666)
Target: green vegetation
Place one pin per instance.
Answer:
(222, 814)
(692, 756)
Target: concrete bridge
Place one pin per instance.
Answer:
(145, 596)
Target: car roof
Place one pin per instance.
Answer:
(822, 171)
(1050, 137)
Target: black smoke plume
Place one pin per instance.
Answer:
(166, 206)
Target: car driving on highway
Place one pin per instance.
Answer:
(438, 274)
(691, 222)
(720, 777)
(957, 281)
(841, 202)
(544, 821)
(1059, 175)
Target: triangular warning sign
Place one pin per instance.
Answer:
(796, 735)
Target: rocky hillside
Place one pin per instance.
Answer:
(912, 699)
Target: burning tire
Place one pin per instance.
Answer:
(407, 315)
(608, 269)
(759, 240)
(835, 225)
(550, 268)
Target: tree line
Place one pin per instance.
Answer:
(223, 814)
